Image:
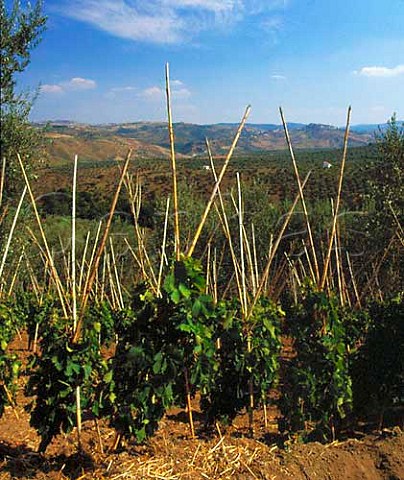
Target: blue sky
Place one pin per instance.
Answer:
(102, 61)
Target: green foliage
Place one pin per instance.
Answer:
(377, 368)
(32, 313)
(9, 363)
(20, 32)
(356, 325)
(384, 226)
(169, 342)
(58, 371)
(103, 319)
(316, 394)
(247, 360)
(193, 317)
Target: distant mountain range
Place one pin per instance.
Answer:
(150, 139)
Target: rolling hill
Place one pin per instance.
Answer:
(150, 139)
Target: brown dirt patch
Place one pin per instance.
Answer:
(171, 454)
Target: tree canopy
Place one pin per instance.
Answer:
(21, 30)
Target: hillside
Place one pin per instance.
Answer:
(61, 147)
(150, 140)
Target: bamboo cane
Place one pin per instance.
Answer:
(89, 283)
(2, 179)
(214, 275)
(34, 280)
(74, 291)
(217, 184)
(103, 276)
(299, 184)
(173, 166)
(78, 416)
(334, 223)
(83, 259)
(73, 267)
(400, 231)
(358, 300)
(250, 389)
(240, 218)
(112, 289)
(53, 270)
(13, 280)
(135, 203)
(3, 214)
(255, 270)
(208, 266)
(10, 235)
(293, 269)
(10, 400)
(92, 256)
(163, 248)
(224, 221)
(118, 282)
(275, 248)
(309, 263)
(189, 405)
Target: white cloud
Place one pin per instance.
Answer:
(52, 89)
(211, 5)
(181, 93)
(152, 93)
(278, 77)
(381, 71)
(78, 83)
(75, 83)
(273, 23)
(378, 109)
(176, 83)
(135, 20)
(123, 89)
(170, 21)
(178, 91)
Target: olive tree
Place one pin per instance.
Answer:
(21, 29)
(386, 222)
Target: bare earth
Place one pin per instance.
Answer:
(173, 454)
